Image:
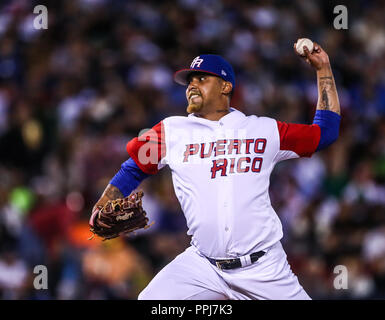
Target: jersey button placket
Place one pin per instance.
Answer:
(227, 214)
(223, 201)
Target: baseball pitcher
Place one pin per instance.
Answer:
(221, 161)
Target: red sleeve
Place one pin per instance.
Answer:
(148, 149)
(302, 139)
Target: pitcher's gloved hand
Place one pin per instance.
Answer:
(119, 216)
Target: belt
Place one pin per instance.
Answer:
(237, 262)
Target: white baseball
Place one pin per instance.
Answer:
(304, 42)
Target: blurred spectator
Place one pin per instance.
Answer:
(13, 275)
(114, 271)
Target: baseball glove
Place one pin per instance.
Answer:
(119, 216)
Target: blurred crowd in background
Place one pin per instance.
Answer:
(73, 95)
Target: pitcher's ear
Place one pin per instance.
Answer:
(227, 87)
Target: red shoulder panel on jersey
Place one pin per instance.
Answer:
(303, 139)
(148, 149)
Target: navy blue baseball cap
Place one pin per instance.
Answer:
(207, 63)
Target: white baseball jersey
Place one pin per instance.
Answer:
(221, 172)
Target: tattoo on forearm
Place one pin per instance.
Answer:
(113, 192)
(326, 87)
(328, 99)
(324, 100)
(110, 193)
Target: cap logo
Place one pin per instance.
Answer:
(224, 73)
(196, 62)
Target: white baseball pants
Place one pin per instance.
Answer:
(191, 276)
